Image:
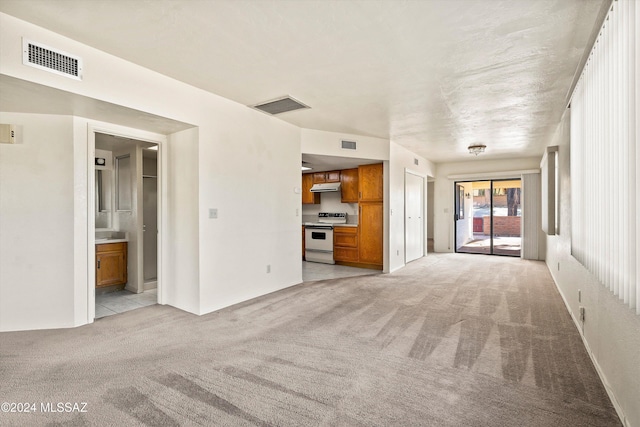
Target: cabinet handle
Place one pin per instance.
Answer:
(359, 194)
(98, 263)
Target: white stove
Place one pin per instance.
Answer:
(318, 237)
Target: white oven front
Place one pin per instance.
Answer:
(318, 243)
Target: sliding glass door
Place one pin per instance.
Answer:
(488, 217)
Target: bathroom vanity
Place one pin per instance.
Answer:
(111, 263)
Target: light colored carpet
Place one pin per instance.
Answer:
(451, 340)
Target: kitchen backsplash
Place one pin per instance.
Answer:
(330, 202)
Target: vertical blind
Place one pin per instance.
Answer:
(531, 216)
(604, 156)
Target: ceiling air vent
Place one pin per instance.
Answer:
(280, 105)
(348, 145)
(45, 58)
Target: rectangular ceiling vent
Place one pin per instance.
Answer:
(280, 105)
(55, 61)
(348, 145)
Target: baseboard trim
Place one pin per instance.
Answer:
(601, 374)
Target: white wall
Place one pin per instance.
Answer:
(330, 144)
(241, 158)
(250, 175)
(400, 161)
(37, 223)
(181, 223)
(611, 330)
(444, 189)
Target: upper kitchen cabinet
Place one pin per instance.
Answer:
(309, 198)
(322, 177)
(370, 183)
(349, 185)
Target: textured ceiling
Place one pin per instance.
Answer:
(432, 75)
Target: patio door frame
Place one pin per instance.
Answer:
(491, 216)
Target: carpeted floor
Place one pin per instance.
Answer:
(451, 340)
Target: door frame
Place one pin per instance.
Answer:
(455, 217)
(94, 127)
(423, 201)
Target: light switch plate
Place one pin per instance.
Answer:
(7, 134)
(213, 213)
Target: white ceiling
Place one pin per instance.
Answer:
(431, 75)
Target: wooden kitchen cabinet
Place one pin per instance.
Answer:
(370, 183)
(323, 177)
(370, 240)
(111, 264)
(309, 198)
(349, 186)
(345, 244)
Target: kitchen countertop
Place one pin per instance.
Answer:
(345, 225)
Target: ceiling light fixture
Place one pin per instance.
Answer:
(477, 149)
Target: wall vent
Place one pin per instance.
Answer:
(55, 61)
(349, 145)
(280, 105)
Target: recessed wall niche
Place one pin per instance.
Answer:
(550, 193)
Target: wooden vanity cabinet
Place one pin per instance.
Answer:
(111, 264)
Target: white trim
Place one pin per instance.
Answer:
(94, 127)
(491, 175)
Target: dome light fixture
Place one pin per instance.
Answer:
(476, 149)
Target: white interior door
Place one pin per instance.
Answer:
(414, 216)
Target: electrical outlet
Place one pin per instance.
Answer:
(297, 212)
(268, 268)
(213, 213)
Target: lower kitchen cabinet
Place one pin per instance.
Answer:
(370, 243)
(111, 264)
(345, 244)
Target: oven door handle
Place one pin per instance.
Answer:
(318, 227)
(318, 250)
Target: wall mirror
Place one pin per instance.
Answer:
(104, 191)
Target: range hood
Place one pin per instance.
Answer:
(325, 188)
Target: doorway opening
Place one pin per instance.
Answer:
(488, 217)
(126, 224)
